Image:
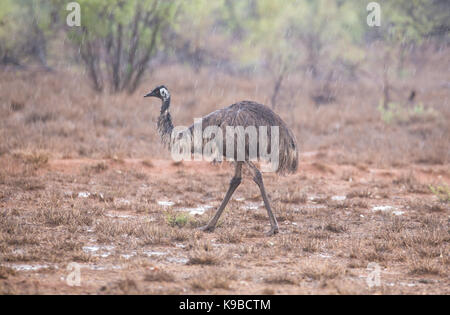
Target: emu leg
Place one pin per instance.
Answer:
(259, 181)
(234, 183)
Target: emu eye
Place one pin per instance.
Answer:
(163, 92)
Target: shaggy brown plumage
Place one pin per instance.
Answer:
(245, 114)
(248, 113)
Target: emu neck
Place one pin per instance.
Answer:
(165, 125)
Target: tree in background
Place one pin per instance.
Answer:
(292, 36)
(407, 24)
(118, 38)
(324, 40)
(203, 44)
(25, 30)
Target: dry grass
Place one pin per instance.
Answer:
(213, 279)
(293, 196)
(321, 239)
(56, 147)
(36, 158)
(230, 236)
(148, 163)
(322, 271)
(281, 279)
(411, 184)
(69, 217)
(127, 286)
(203, 257)
(159, 276)
(73, 121)
(6, 272)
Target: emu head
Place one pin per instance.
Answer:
(160, 92)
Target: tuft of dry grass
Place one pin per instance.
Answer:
(202, 253)
(363, 193)
(230, 236)
(322, 271)
(97, 167)
(145, 233)
(322, 167)
(57, 217)
(27, 184)
(181, 235)
(310, 245)
(148, 163)
(203, 258)
(213, 279)
(17, 106)
(5, 272)
(126, 286)
(159, 275)
(294, 197)
(411, 184)
(281, 279)
(335, 227)
(268, 291)
(426, 266)
(36, 158)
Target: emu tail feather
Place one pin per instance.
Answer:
(288, 157)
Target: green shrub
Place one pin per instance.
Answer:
(402, 114)
(179, 219)
(442, 192)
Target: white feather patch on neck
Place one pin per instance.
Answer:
(164, 93)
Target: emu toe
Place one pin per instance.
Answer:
(206, 228)
(272, 231)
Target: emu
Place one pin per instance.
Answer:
(244, 113)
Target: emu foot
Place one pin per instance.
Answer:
(272, 231)
(207, 228)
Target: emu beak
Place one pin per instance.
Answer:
(152, 93)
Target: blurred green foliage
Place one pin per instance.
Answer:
(25, 27)
(121, 37)
(279, 36)
(442, 192)
(403, 114)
